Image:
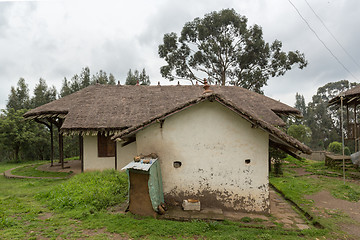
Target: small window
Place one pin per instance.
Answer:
(106, 146)
(177, 164)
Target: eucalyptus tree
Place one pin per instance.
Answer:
(222, 47)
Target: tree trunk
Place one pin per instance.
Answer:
(17, 150)
(223, 78)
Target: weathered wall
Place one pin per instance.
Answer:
(125, 154)
(91, 159)
(212, 143)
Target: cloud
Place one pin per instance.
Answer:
(56, 39)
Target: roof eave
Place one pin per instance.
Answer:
(215, 97)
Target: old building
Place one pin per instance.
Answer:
(212, 145)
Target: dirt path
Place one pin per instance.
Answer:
(326, 205)
(74, 166)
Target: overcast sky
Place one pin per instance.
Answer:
(56, 39)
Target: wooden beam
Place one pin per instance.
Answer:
(61, 140)
(58, 123)
(42, 122)
(116, 156)
(51, 145)
(285, 149)
(61, 150)
(355, 127)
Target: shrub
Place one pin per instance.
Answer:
(277, 156)
(92, 190)
(336, 147)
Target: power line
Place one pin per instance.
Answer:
(327, 29)
(323, 43)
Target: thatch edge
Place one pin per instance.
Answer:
(218, 98)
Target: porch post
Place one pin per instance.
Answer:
(52, 145)
(355, 126)
(115, 156)
(61, 149)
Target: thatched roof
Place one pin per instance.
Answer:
(122, 110)
(351, 96)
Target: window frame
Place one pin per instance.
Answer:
(105, 146)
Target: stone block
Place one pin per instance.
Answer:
(191, 206)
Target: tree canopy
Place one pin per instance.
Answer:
(300, 132)
(43, 94)
(136, 77)
(223, 48)
(84, 79)
(323, 121)
(19, 96)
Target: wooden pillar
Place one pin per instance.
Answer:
(355, 126)
(81, 151)
(61, 149)
(269, 163)
(115, 156)
(52, 145)
(347, 119)
(61, 142)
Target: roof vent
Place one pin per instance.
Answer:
(137, 83)
(207, 87)
(159, 83)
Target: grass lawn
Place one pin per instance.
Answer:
(77, 208)
(31, 170)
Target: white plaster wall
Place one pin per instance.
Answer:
(125, 154)
(91, 160)
(212, 143)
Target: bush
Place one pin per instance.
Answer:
(336, 147)
(277, 155)
(92, 190)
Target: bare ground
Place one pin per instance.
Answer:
(326, 205)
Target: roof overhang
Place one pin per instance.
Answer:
(276, 135)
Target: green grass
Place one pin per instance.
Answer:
(4, 166)
(31, 171)
(88, 192)
(295, 187)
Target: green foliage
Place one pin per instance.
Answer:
(15, 133)
(43, 94)
(222, 47)
(300, 104)
(277, 155)
(19, 96)
(346, 192)
(300, 132)
(84, 79)
(5, 221)
(92, 191)
(324, 121)
(245, 219)
(136, 77)
(336, 147)
(102, 78)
